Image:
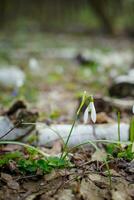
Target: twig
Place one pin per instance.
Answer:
(26, 177)
(18, 123)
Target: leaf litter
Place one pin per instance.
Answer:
(87, 180)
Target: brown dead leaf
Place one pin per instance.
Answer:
(56, 149)
(6, 177)
(31, 186)
(102, 117)
(55, 174)
(88, 191)
(13, 185)
(100, 181)
(9, 181)
(52, 175)
(120, 195)
(99, 155)
(11, 147)
(65, 194)
(94, 177)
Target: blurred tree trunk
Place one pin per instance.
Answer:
(100, 9)
(2, 13)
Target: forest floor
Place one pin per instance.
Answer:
(87, 180)
(55, 78)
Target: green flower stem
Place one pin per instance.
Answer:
(63, 156)
(109, 173)
(66, 143)
(82, 102)
(131, 133)
(118, 116)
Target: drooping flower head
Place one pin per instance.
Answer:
(90, 108)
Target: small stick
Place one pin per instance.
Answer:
(18, 123)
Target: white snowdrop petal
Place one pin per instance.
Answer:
(133, 109)
(133, 147)
(93, 112)
(85, 117)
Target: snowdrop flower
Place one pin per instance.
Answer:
(133, 109)
(33, 64)
(85, 117)
(90, 108)
(93, 111)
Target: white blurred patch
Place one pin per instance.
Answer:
(34, 65)
(11, 76)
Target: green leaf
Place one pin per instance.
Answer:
(132, 130)
(4, 159)
(57, 162)
(27, 165)
(43, 165)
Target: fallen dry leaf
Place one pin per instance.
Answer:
(99, 155)
(102, 117)
(6, 177)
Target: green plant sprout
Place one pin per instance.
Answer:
(118, 118)
(90, 108)
(82, 102)
(116, 150)
(44, 162)
(4, 159)
(131, 133)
